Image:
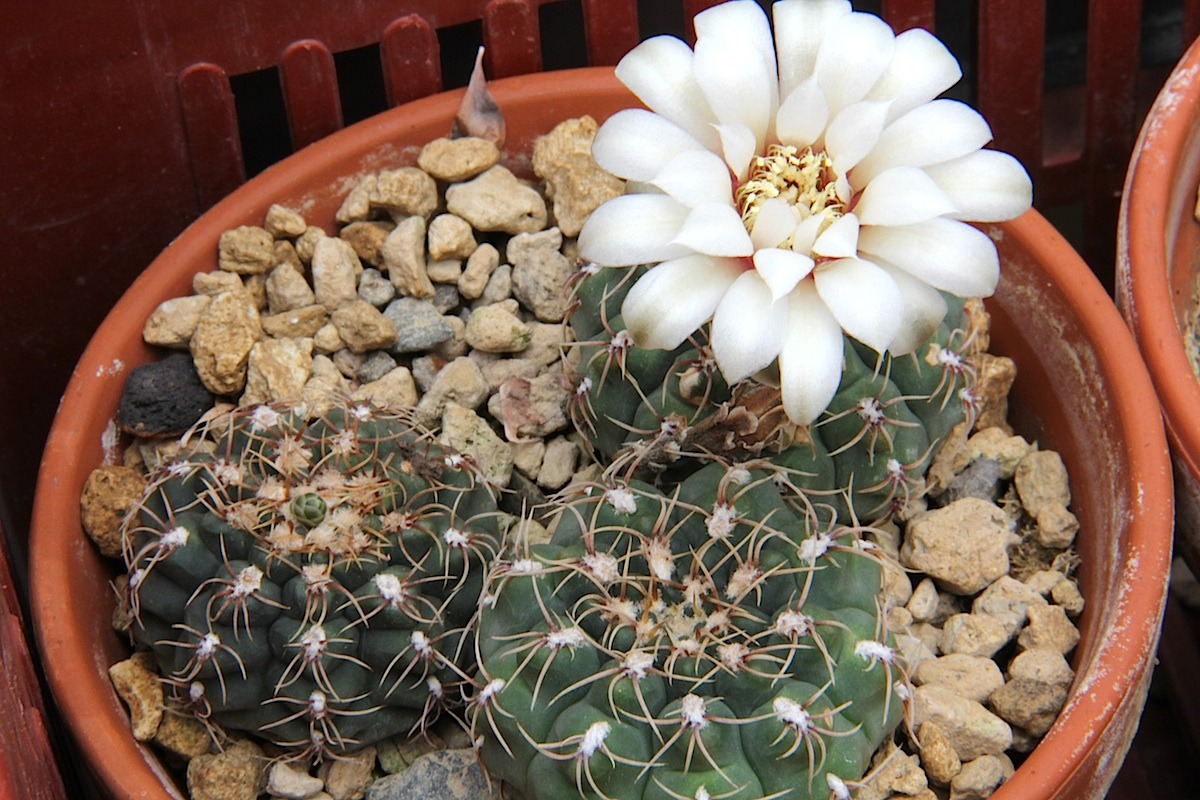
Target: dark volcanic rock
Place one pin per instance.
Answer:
(163, 398)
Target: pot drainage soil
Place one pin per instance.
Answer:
(444, 292)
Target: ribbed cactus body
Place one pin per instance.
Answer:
(715, 640)
(652, 408)
(311, 580)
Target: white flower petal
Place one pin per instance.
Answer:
(840, 239)
(856, 50)
(800, 27)
(853, 133)
(773, 225)
(805, 235)
(985, 186)
(659, 72)
(748, 327)
(803, 115)
(715, 229)
(635, 143)
(945, 253)
(864, 299)
(741, 28)
(737, 86)
(929, 134)
(633, 229)
(924, 309)
(810, 361)
(902, 196)
(694, 177)
(781, 270)
(738, 145)
(921, 69)
(676, 297)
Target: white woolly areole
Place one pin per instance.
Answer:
(316, 578)
(793, 623)
(180, 468)
(584, 387)
(837, 786)
(455, 538)
(733, 656)
(420, 643)
(493, 688)
(721, 524)
(742, 580)
(176, 537)
(317, 703)
(314, 642)
(271, 490)
(637, 663)
(602, 566)
(622, 500)
(659, 558)
(248, 581)
(195, 691)
(738, 476)
(225, 472)
(362, 412)
(702, 794)
(264, 417)
(872, 650)
(435, 687)
(525, 566)
(691, 711)
(902, 690)
(391, 589)
(207, 645)
(621, 341)
(593, 738)
(792, 714)
(814, 547)
(567, 637)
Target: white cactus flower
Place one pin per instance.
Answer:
(795, 188)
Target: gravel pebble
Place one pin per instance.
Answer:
(441, 775)
(418, 325)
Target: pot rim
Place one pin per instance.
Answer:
(86, 701)
(1143, 286)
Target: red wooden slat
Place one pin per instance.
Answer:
(1191, 21)
(310, 92)
(905, 14)
(410, 54)
(1011, 61)
(611, 28)
(1113, 39)
(27, 766)
(210, 123)
(511, 38)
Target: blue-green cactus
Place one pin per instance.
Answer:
(311, 580)
(716, 640)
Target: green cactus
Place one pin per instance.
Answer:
(712, 641)
(643, 411)
(314, 581)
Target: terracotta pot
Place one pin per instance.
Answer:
(1049, 314)
(1158, 247)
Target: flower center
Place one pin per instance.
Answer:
(804, 179)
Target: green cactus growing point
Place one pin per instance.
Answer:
(716, 640)
(314, 581)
